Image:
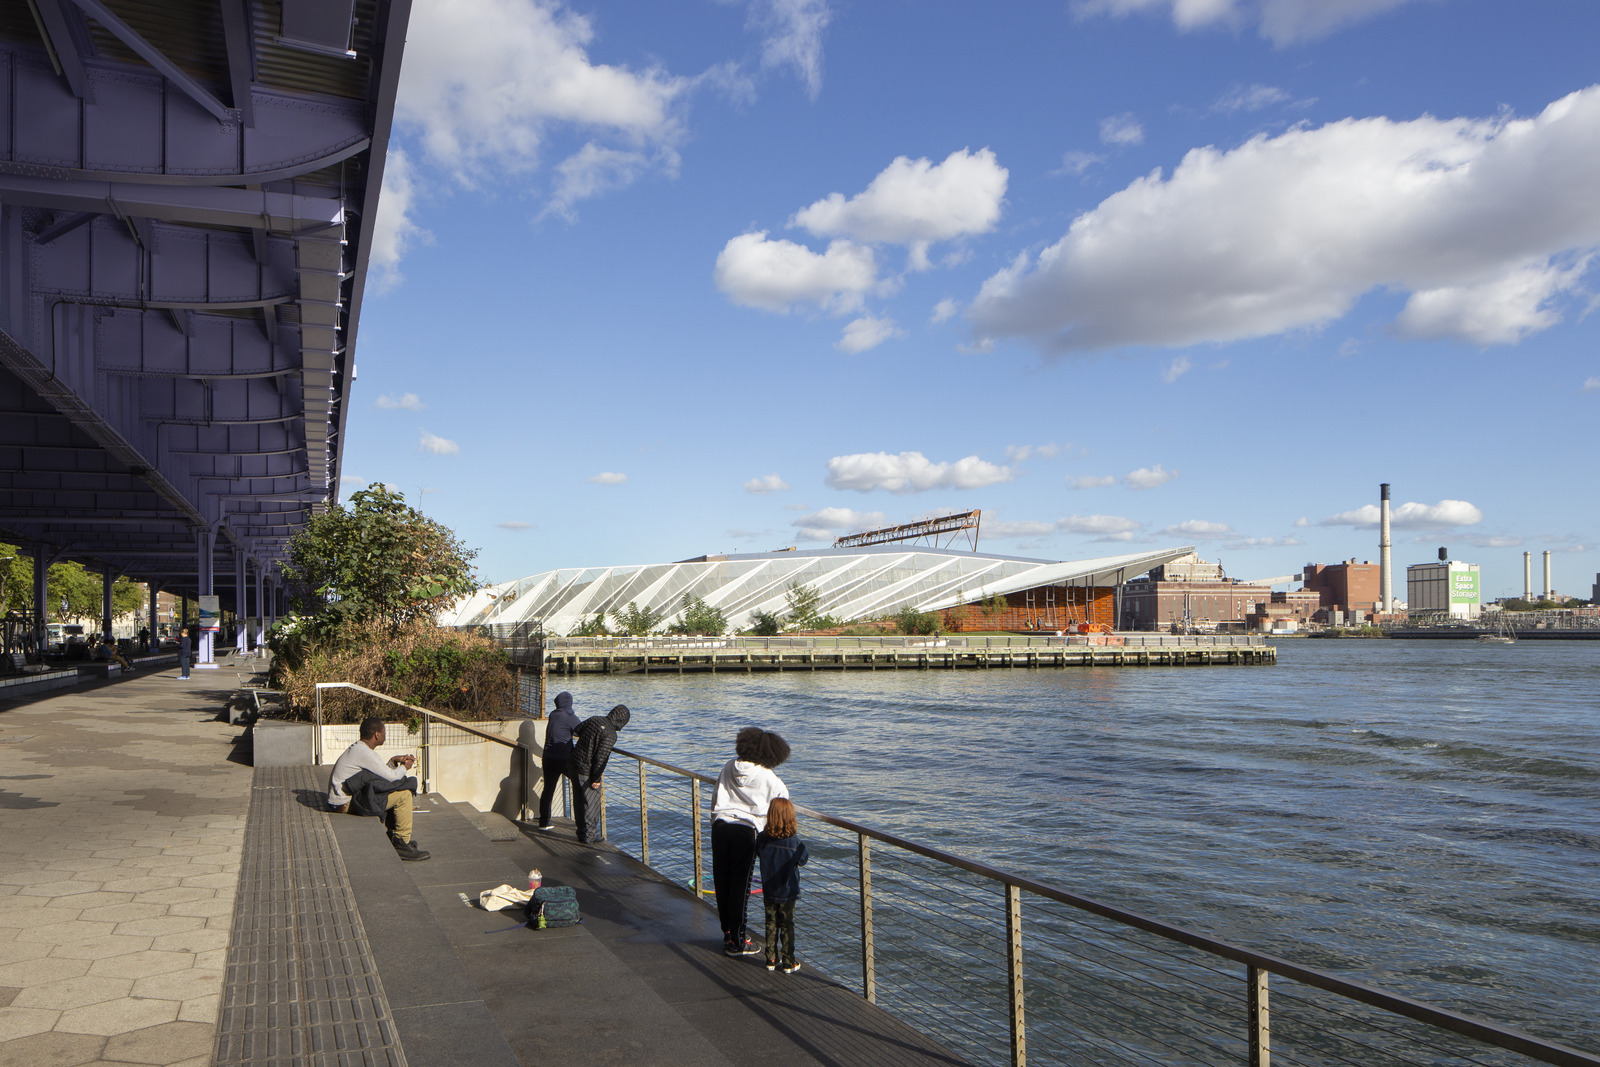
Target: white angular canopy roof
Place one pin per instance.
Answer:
(854, 583)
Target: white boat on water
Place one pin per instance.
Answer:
(1503, 633)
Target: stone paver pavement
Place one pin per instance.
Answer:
(121, 825)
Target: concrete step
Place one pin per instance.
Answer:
(491, 824)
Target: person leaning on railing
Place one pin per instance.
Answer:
(557, 753)
(592, 743)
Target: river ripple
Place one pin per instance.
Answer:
(1421, 815)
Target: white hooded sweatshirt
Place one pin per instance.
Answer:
(744, 792)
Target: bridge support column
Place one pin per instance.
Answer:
(41, 570)
(106, 581)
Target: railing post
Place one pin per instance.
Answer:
(602, 799)
(869, 969)
(644, 816)
(316, 730)
(427, 753)
(699, 847)
(1019, 1031)
(1260, 1018)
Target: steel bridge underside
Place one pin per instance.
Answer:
(188, 197)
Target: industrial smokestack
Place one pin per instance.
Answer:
(1527, 576)
(1385, 571)
(1547, 589)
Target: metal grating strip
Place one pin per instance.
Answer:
(301, 986)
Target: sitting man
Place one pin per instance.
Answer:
(363, 784)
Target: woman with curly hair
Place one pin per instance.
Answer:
(746, 789)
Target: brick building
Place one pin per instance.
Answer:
(1193, 589)
(1349, 586)
(1289, 610)
(1045, 607)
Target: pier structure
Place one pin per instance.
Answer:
(602, 655)
(968, 591)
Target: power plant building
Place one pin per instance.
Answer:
(1351, 587)
(1189, 593)
(1448, 588)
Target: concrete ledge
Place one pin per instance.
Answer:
(278, 743)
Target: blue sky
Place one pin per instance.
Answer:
(656, 280)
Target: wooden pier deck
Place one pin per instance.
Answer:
(749, 655)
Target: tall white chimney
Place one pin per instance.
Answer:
(1547, 589)
(1527, 576)
(1385, 567)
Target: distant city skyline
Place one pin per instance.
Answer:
(654, 283)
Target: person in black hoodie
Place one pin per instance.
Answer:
(592, 743)
(557, 754)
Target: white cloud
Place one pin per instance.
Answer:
(439, 446)
(608, 478)
(915, 202)
(1076, 163)
(403, 402)
(1176, 369)
(794, 37)
(797, 507)
(1280, 21)
(767, 483)
(596, 169)
(946, 309)
(1445, 513)
(1121, 129)
(485, 79)
(1591, 385)
(911, 472)
(1199, 530)
(829, 523)
(514, 525)
(1019, 453)
(396, 230)
(1302, 522)
(1104, 527)
(774, 275)
(1496, 541)
(1501, 311)
(1090, 481)
(1148, 477)
(1265, 542)
(1010, 531)
(1249, 98)
(1485, 223)
(867, 332)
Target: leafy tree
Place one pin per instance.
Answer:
(911, 621)
(595, 627)
(128, 597)
(16, 580)
(995, 604)
(377, 560)
(636, 621)
(805, 603)
(82, 588)
(700, 617)
(765, 624)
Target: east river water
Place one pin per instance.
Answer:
(1424, 816)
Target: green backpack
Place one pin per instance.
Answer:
(553, 906)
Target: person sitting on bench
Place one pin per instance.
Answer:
(363, 784)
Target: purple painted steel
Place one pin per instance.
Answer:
(178, 288)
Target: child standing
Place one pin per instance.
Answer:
(782, 854)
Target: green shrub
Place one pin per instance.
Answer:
(911, 621)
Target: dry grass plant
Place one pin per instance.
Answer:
(454, 672)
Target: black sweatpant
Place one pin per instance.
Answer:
(733, 858)
(555, 769)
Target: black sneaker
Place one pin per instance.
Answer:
(772, 965)
(732, 948)
(408, 850)
(748, 948)
(791, 967)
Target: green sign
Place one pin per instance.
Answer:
(1463, 587)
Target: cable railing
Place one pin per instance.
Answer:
(1006, 969)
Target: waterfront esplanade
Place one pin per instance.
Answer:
(971, 590)
(188, 191)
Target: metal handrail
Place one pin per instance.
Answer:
(1258, 964)
(1126, 640)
